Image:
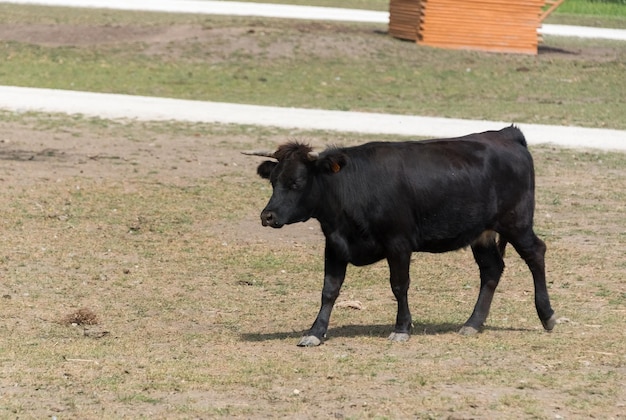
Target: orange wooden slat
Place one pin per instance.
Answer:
(489, 25)
(553, 4)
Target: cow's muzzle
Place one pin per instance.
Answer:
(268, 218)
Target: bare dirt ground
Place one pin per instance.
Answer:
(153, 227)
(319, 38)
(217, 42)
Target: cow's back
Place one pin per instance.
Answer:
(436, 195)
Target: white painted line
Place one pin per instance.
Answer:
(286, 11)
(233, 8)
(583, 32)
(114, 106)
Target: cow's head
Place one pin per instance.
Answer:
(294, 174)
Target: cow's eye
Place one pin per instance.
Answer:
(295, 184)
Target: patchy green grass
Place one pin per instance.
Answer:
(311, 65)
(614, 8)
(153, 228)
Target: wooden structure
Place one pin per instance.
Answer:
(487, 25)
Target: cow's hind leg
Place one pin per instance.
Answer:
(400, 281)
(533, 250)
(491, 265)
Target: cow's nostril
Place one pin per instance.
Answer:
(267, 217)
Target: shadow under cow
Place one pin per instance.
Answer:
(376, 330)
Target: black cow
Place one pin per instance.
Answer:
(387, 200)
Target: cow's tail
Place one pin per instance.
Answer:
(513, 133)
(502, 245)
(490, 238)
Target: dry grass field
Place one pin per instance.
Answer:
(137, 282)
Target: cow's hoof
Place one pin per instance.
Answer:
(309, 341)
(467, 330)
(399, 337)
(550, 323)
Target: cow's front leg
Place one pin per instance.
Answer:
(400, 281)
(334, 275)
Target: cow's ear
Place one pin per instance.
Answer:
(265, 168)
(332, 164)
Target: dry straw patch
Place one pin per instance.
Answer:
(154, 228)
(82, 316)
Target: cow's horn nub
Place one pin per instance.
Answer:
(264, 153)
(312, 156)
